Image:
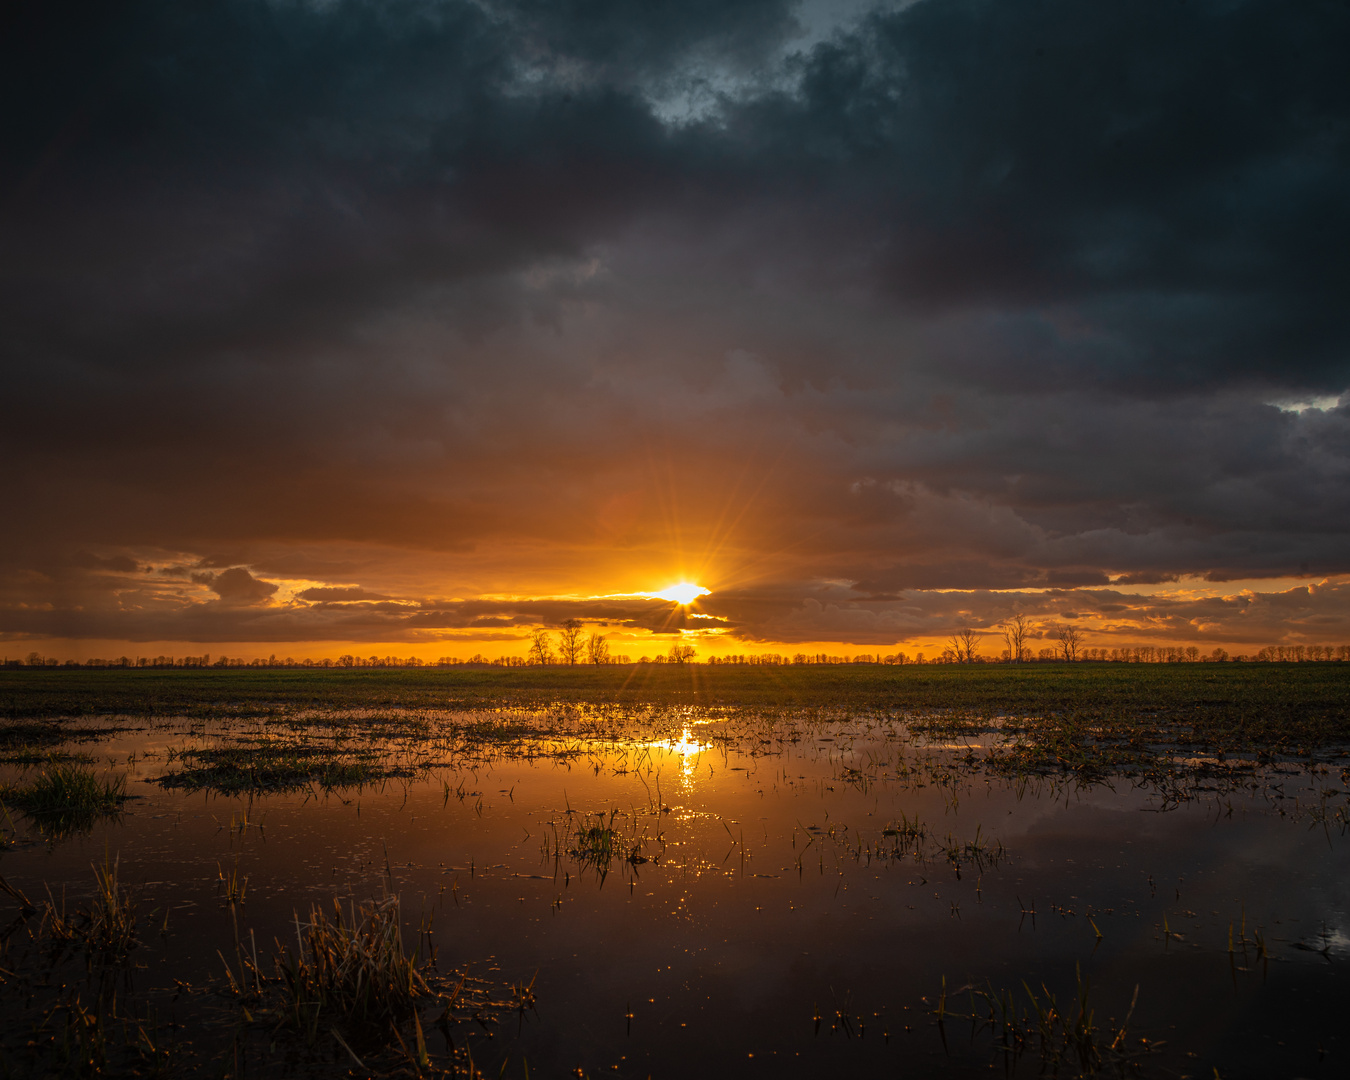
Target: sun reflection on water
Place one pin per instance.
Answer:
(689, 748)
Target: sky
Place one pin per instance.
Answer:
(408, 327)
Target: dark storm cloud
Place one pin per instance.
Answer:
(810, 613)
(242, 614)
(1172, 168)
(613, 41)
(751, 620)
(968, 294)
(243, 170)
(119, 563)
(343, 595)
(236, 586)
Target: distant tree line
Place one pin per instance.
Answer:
(594, 649)
(964, 644)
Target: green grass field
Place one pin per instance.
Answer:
(1273, 704)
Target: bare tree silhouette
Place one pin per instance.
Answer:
(1016, 630)
(597, 648)
(680, 654)
(569, 641)
(963, 644)
(541, 649)
(1070, 642)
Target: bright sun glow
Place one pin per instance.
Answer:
(683, 593)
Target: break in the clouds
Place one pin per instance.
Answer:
(383, 321)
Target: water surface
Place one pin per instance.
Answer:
(781, 916)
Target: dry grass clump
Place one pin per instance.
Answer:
(105, 928)
(349, 975)
(352, 968)
(61, 1021)
(108, 924)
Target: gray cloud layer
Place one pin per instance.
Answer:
(969, 294)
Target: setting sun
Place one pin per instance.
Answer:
(683, 593)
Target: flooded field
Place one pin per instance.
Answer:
(664, 891)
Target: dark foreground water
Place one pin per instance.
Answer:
(809, 889)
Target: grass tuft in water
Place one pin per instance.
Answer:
(67, 797)
(1061, 1035)
(978, 851)
(597, 843)
(905, 831)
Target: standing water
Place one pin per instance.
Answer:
(669, 893)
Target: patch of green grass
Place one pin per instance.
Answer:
(493, 729)
(1233, 704)
(37, 755)
(277, 767)
(29, 736)
(66, 798)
